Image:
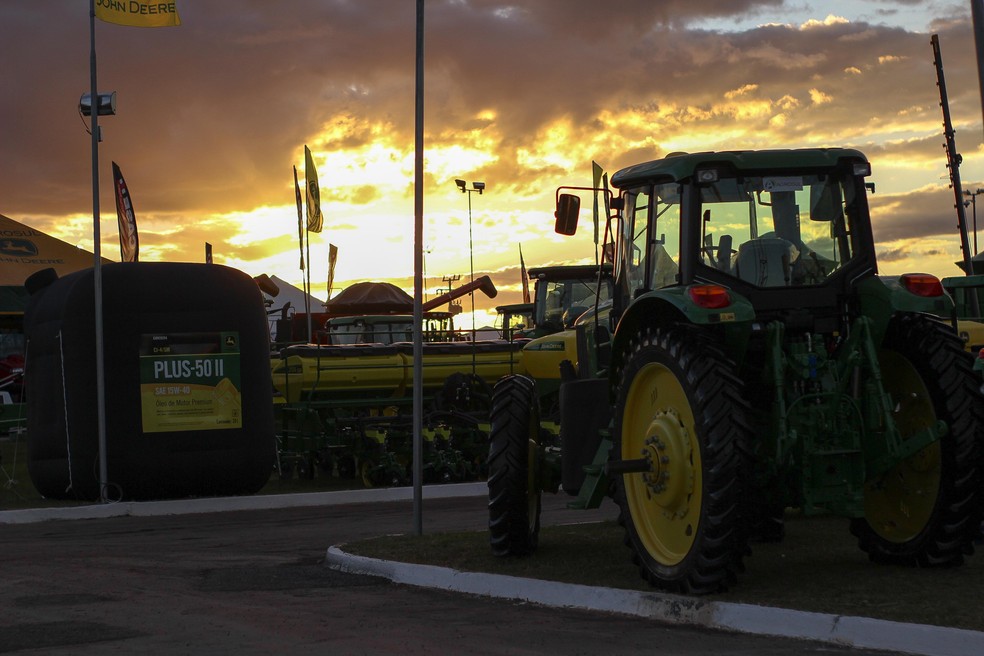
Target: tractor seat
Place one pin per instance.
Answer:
(765, 262)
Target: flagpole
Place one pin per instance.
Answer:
(97, 260)
(307, 285)
(418, 283)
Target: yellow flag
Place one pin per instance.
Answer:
(332, 259)
(314, 217)
(596, 173)
(138, 13)
(525, 277)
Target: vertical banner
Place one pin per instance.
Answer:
(208, 253)
(525, 276)
(314, 218)
(608, 213)
(129, 243)
(332, 258)
(300, 218)
(596, 173)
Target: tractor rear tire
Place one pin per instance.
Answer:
(680, 407)
(925, 511)
(514, 487)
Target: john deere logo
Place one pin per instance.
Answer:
(18, 247)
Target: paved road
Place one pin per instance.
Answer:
(252, 582)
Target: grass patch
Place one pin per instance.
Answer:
(818, 567)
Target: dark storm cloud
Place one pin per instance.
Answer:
(212, 114)
(892, 255)
(927, 212)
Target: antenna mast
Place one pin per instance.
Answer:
(953, 160)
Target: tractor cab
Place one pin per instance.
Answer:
(563, 293)
(788, 230)
(514, 320)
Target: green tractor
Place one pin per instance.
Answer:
(564, 296)
(561, 295)
(752, 361)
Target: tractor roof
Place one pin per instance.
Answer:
(515, 308)
(568, 271)
(678, 166)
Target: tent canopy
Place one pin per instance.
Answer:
(25, 251)
(370, 298)
(290, 294)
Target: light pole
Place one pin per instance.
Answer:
(973, 206)
(479, 187)
(94, 105)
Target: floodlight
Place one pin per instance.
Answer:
(106, 104)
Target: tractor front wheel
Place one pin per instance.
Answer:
(514, 489)
(924, 511)
(680, 413)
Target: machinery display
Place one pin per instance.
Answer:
(968, 322)
(563, 293)
(752, 360)
(344, 408)
(563, 296)
(966, 317)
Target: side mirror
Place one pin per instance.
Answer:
(568, 207)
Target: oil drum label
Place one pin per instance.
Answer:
(190, 382)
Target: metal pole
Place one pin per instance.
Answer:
(418, 282)
(953, 163)
(973, 207)
(471, 264)
(306, 283)
(97, 260)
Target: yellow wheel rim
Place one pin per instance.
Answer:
(664, 502)
(899, 504)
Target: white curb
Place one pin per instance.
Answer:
(841, 630)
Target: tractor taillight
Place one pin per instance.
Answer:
(709, 296)
(922, 284)
(980, 354)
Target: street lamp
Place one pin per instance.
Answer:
(973, 204)
(463, 187)
(105, 104)
(94, 105)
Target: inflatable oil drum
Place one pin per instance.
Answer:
(189, 408)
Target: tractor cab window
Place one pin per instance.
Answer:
(345, 332)
(778, 231)
(438, 327)
(651, 237)
(390, 332)
(361, 331)
(563, 301)
(512, 325)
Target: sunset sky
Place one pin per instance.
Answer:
(212, 115)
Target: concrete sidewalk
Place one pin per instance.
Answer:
(227, 504)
